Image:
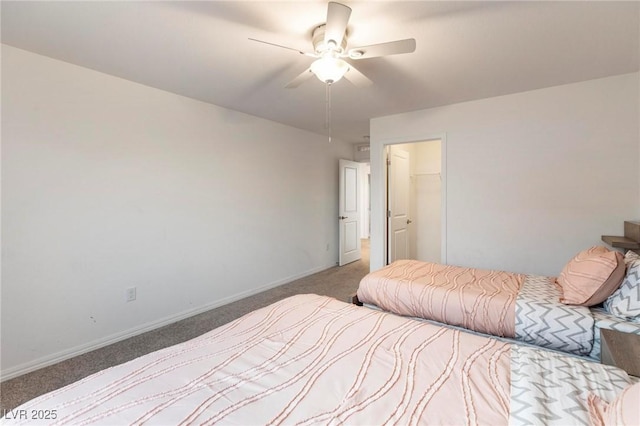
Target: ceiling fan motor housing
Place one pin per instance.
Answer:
(319, 45)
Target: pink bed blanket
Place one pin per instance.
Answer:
(476, 299)
(305, 360)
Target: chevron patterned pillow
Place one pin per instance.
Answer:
(591, 276)
(625, 301)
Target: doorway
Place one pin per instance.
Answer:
(414, 198)
(354, 215)
(349, 212)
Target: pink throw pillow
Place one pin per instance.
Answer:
(623, 410)
(591, 276)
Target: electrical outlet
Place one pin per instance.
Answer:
(131, 294)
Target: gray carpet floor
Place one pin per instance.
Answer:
(338, 282)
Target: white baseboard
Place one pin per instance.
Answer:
(55, 358)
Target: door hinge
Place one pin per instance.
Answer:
(388, 162)
(388, 213)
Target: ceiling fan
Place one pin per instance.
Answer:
(330, 50)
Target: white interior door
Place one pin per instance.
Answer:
(349, 213)
(398, 173)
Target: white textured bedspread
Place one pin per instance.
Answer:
(304, 360)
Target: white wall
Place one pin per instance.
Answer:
(532, 178)
(108, 184)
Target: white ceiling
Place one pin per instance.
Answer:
(465, 50)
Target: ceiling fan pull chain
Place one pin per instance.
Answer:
(327, 123)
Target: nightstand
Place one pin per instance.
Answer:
(631, 239)
(621, 350)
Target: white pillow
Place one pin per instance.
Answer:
(625, 301)
(630, 257)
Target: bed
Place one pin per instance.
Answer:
(564, 313)
(311, 359)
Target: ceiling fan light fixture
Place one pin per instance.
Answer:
(329, 69)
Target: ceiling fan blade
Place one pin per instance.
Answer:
(357, 78)
(337, 20)
(383, 49)
(301, 78)
(284, 47)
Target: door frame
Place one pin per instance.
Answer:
(379, 236)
